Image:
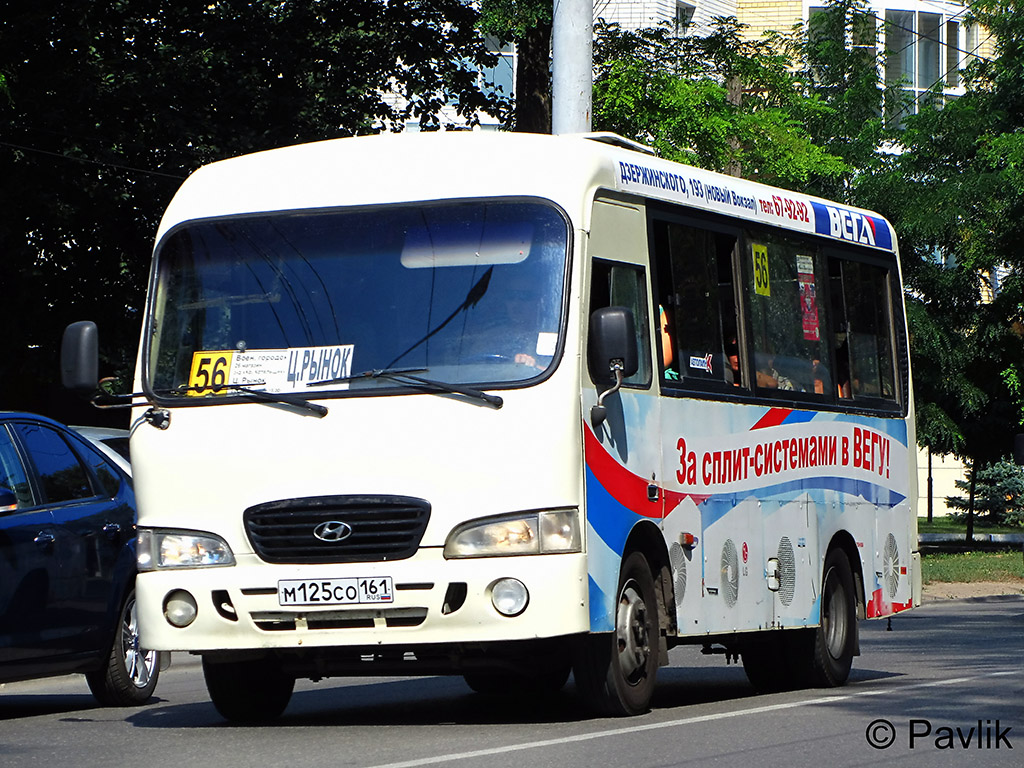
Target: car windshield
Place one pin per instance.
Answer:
(315, 302)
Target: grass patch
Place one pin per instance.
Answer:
(972, 566)
(949, 525)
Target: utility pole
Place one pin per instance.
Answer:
(572, 67)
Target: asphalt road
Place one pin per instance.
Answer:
(944, 687)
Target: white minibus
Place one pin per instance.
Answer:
(512, 406)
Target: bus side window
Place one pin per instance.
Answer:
(863, 341)
(624, 285)
(787, 327)
(695, 293)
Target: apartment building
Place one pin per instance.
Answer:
(922, 42)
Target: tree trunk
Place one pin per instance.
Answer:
(734, 86)
(533, 81)
(970, 505)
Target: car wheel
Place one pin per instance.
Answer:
(255, 691)
(130, 675)
(616, 672)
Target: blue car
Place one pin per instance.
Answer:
(67, 563)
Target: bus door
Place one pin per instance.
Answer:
(623, 451)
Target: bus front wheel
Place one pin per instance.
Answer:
(255, 691)
(615, 672)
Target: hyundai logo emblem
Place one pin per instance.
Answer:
(332, 531)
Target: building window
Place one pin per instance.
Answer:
(684, 15)
(952, 54)
(922, 51)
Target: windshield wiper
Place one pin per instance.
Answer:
(260, 394)
(405, 376)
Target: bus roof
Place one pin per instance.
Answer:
(566, 169)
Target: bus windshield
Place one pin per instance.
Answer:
(315, 302)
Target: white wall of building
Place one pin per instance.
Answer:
(946, 470)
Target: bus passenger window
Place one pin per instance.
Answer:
(864, 359)
(787, 328)
(696, 304)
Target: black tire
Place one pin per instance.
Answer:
(766, 664)
(130, 675)
(615, 672)
(834, 642)
(252, 692)
(819, 657)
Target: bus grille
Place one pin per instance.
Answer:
(337, 529)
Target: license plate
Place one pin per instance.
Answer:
(335, 591)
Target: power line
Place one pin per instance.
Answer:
(88, 161)
(942, 78)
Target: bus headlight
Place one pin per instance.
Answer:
(533, 533)
(181, 549)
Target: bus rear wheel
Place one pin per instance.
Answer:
(616, 672)
(834, 642)
(255, 691)
(818, 657)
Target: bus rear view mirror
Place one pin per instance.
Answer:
(613, 353)
(612, 344)
(79, 357)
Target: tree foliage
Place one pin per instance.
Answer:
(952, 187)
(998, 495)
(527, 24)
(106, 106)
(672, 91)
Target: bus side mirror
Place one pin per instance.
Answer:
(613, 344)
(612, 355)
(79, 357)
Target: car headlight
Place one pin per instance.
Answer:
(181, 549)
(532, 533)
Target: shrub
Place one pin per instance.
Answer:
(998, 495)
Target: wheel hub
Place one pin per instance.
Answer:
(632, 636)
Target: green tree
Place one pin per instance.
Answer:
(998, 495)
(526, 24)
(678, 93)
(951, 185)
(110, 104)
(839, 61)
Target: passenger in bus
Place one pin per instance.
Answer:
(732, 355)
(843, 367)
(768, 377)
(668, 355)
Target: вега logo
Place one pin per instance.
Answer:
(851, 226)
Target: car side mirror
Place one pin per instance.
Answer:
(79, 357)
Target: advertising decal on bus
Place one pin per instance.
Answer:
(784, 455)
(746, 200)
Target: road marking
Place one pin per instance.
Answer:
(505, 749)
